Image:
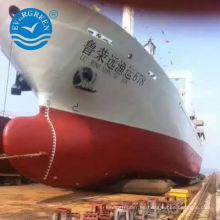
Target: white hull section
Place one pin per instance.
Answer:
(142, 102)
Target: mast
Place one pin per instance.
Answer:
(128, 19)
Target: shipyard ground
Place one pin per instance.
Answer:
(37, 202)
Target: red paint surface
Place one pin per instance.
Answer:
(92, 152)
(196, 7)
(5, 166)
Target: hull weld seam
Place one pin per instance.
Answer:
(52, 156)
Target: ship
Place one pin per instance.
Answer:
(107, 110)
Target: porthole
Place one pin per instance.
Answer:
(152, 75)
(130, 55)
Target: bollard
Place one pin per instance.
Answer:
(75, 216)
(62, 214)
(99, 208)
(90, 216)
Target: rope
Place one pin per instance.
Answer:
(5, 157)
(47, 116)
(7, 82)
(6, 91)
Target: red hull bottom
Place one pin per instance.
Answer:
(85, 151)
(5, 166)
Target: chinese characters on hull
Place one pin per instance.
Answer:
(101, 59)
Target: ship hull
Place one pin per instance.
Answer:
(91, 152)
(5, 165)
(108, 110)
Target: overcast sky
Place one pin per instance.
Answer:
(184, 44)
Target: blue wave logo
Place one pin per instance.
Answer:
(31, 29)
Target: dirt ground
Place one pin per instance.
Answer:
(37, 202)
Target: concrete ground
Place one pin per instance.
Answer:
(37, 202)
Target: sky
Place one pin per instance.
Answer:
(193, 48)
(191, 44)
